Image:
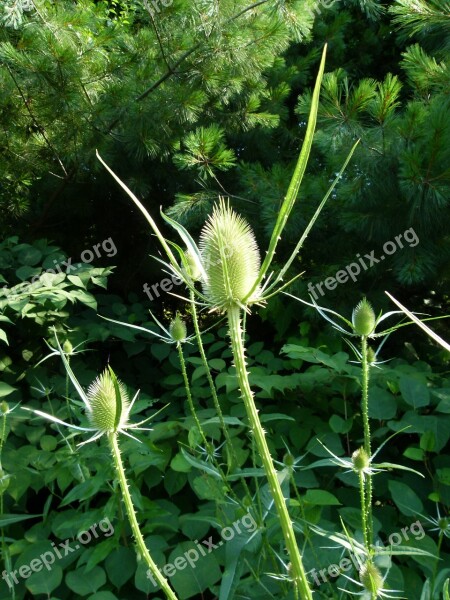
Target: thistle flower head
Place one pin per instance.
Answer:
(231, 259)
(107, 412)
(371, 579)
(363, 318)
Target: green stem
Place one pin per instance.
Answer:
(198, 424)
(215, 398)
(120, 472)
(363, 498)
(367, 441)
(298, 571)
(189, 395)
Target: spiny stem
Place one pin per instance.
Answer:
(367, 441)
(120, 472)
(197, 420)
(189, 395)
(212, 387)
(298, 572)
(363, 499)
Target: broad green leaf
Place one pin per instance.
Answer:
(382, 404)
(83, 583)
(405, 498)
(45, 581)
(195, 572)
(414, 392)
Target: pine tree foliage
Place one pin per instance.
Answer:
(133, 81)
(426, 19)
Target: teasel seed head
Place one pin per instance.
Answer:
(103, 403)
(363, 318)
(177, 329)
(230, 257)
(360, 460)
(4, 408)
(371, 579)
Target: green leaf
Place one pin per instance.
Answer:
(7, 520)
(103, 596)
(84, 490)
(414, 392)
(6, 389)
(444, 475)
(382, 404)
(83, 583)
(405, 498)
(320, 498)
(44, 582)
(196, 576)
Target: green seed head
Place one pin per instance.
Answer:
(102, 400)
(360, 460)
(177, 329)
(231, 259)
(4, 408)
(363, 318)
(67, 347)
(371, 579)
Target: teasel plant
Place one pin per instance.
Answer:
(108, 411)
(233, 280)
(364, 325)
(176, 334)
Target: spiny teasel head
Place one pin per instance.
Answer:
(230, 257)
(103, 413)
(363, 318)
(371, 579)
(360, 460)
(177, 329)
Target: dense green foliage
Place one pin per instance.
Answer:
(187, 102)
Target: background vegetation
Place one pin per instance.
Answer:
(195, 100)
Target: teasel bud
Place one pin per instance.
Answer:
(4, 408)
(360, 460)
(230, 257)
(363, 318)
(177, 329)
(67, 347)
(288, 459)
(105, 414)
(192, 268)
(371, 356)
(371, 579)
